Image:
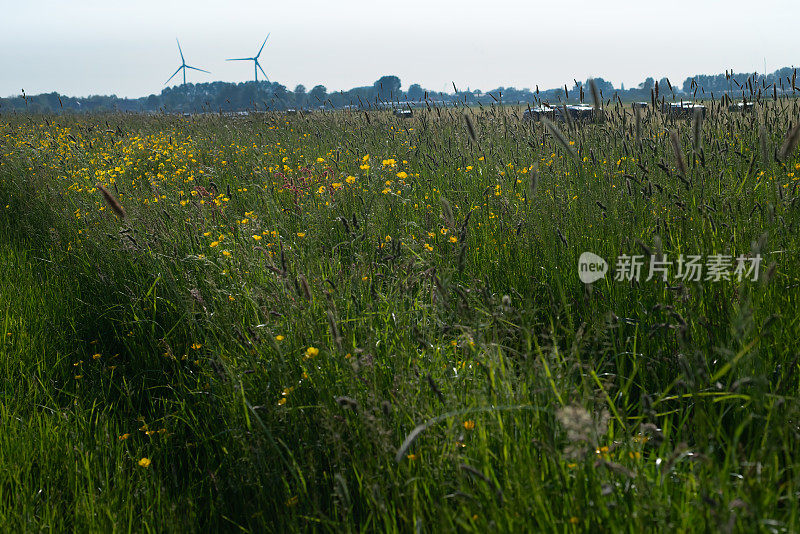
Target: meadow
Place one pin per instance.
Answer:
(352, 322)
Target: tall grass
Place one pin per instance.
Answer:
(350, 322)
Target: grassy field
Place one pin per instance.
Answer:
(350, 322)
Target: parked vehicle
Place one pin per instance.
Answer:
(742, 107)
(535, 114)
(683, 110)
(577, 112)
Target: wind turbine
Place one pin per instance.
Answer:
(183, 66)
(256, 64)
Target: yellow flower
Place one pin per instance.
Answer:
(281, 401)
(145, 462)
(279, 338)
(428, 247)
(574, 520)
(320, 160)
(123, 437)
(257, 237)
(365, 158)
(469, 425)
(96, 356)
(412, 457)
(311, 352)
(453, 239)
(350, 180)
(226, 253)
(214, 244)
(196, 346)
(301, 234)
(402, 175)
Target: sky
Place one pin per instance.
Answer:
(127, 48)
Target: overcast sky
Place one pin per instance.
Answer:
(83, 47)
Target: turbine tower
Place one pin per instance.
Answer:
(256, 64)
(183, 66)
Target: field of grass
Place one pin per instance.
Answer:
(348, 322)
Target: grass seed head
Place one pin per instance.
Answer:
(697, 131)
(112, 202)
(789, 142)
(680, 161)
(470, 128)
(555, 132)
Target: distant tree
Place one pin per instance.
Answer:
(648, 84)
(415, 92)
(388, 87)
(317, 95)
(279, 90)
(663, 86)
(300, 95)
(607, 88)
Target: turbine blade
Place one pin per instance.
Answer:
(173, 75)
(240, 59)
(262, 46)
(180, 51)
(262, 71)
(195, 68)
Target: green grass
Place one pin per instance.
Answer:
(469, 384)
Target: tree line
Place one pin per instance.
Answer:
(387, 92)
